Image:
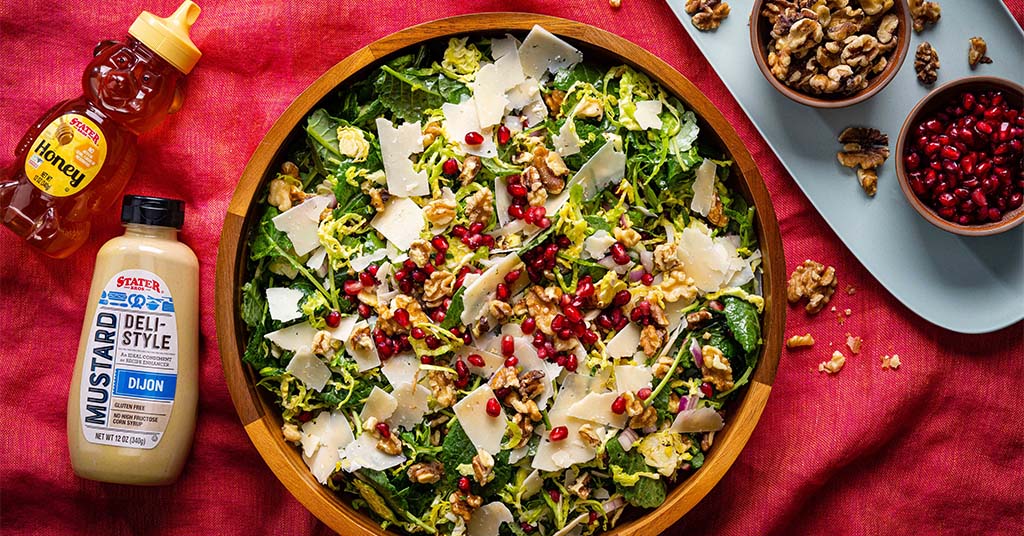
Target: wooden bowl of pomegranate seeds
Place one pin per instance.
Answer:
(960, 159)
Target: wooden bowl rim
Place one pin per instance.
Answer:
(877, 84)
(263, 426)
(934, 97)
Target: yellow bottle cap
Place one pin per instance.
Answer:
(168, 37)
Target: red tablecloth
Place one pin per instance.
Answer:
(935, 447)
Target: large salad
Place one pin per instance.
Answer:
(497, 289)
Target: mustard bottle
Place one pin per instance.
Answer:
(132, 405)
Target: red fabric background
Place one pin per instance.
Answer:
(935, 447)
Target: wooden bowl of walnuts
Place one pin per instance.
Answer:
(831, 53)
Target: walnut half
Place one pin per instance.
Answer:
(924, 13)
(866, 148)
(813, 281)
(926, 63)
(976, 54)
(707, 14)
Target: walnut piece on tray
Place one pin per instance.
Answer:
(926, 63)
(707, 15)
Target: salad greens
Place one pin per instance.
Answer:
(497, 289)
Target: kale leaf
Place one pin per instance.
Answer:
(743, 322)
(453, 317)
(457, 449)
(647, 492)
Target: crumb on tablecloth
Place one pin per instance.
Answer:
(834, 365)
(800, 341)
(891, 362)
(853, 343)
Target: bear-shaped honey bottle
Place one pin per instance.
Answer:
(73, 164)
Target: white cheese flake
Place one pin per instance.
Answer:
(632, 378)
(556, 455)
(502, 200)
(542, 52)
(284, 303)
(704, 188)
(484, 431)
(488, 518)
(396, 146)
(505, 46)
(292, 338)
(366, 359)
(597, 408)
(492, 82)
(625, 342)
(492, 361)
(344, 329)
(316, 260)
(477, 294)
(567, 143)
(401, 369)
(597, 244)
(646, 114)
(363, 453)
(379, 405)
(413, 403)
(607, 166)
(401, 221)
(697, 420)
(301, 223)
(708, 262)
(309, 369)
(362, 262)
(322, 437)
(461, 119)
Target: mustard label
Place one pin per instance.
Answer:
(66, 156)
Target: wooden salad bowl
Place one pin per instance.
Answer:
(258, 413)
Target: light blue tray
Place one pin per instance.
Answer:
(965, 284)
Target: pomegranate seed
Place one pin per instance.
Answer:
(476, 228)
(647, 279)
(558, 433)
(432, 342)
(619, 405)
(716, 305)
(440, 243)
(366, 279)
(544, 223)
(333, 319)
(305, 416)
(589, 337)
(515, 212)
(504, 134)
(644, 393)
(427, 360)
(517, 190)
(476, 360)
(508, 345)
(474, 138)
(528, 325)
(493, 407)
(364, 310)
(502, 292)
(571, 363)
(585, 290)
(450, 167)
(513, 276)
(561, 359)
(352, 287)
(373, 269)
(384, 430)
(706, 389)
(621, 298)
(402, 317)
(572, 313)
(464, 482)
(526, 527)
(418, 333)
(459, 231)
(512, 361)
(461, 383)
(592, 517)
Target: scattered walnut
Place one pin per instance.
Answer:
(425, 473)
(891, 362)
(440, 212)
(662, 365)
(648, 418)
(361, 339)
(377, 200)
(924, 13)
(589, 435)
(590, 107)
(505, 377)
(470, 169)
(430, 133)
(322, 342)
(853, 343)
(386, 314)
(800, 341)
(531, 384)
(463, 504)
(536, 194)
(553, 182)
(615, 4)
(868, 179)
(707, 14)
(442, 387)
(834, 365)
(673, 403)
(483, 467)
(926, 63)
(525, 426)
(500, 310)
(554, 102)
(420, 252)
(658, 316)
(887, 28)
(860, 50)
(284, 192)
(874, 7)
(716, 215)
(291, 432)
(977, 51)
(634, 406)
(716, 368)
(542, 305)
(707, 441)
(555, 164)
(844, 23)
(289, 168)
(813, 281)
(665, 257)
(437, 287)
(390, 445)
(480, 207)
(628, 236)
(866, 148)
(677, 286)
(651, 339)
(697, 318)
(581, 487)
(526, 407)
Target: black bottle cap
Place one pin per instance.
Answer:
(153, 211)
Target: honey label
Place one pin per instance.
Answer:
(130, 374)
(66, 156)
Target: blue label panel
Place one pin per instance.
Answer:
(148, 385)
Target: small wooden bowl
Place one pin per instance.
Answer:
(760, 31)
(935, 100)
(256, 409)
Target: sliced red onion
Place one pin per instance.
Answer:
(613, 505)
(608, 262)
(572, 524)
(636, 275)
(697, 420)
(647, 260)
(650, 429)
(698, 357)
(688, 402)
(627, 438)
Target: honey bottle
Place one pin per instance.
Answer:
(73, 164)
